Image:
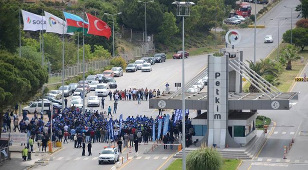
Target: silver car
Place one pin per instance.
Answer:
(93, 101)
(118, 71)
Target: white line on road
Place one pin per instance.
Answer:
(296, 161)
(139, 157)
(76, 159)
(94, 158)
(269, 164)
(260, 159)
(269, 160)
(306, 161)
(288, 160)
(278, 160)
(292, 133)
(130, 157)
(86, 158)
(156, 157)
(68, 158)
(165, 157)
(148, 157)
(284, 133)
(275, 133)
(60, 158)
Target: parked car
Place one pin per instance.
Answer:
(192, 90)
(131, 68)
(111, 82)
(101, 78)
(57, 94)
(67, 90)
(81, 82)
(93, 85)
(118, 71)
(232, 21)
(146, 67)
(268, 39)
(73, 86)
(77, 103)
(93, 101)
(108, 73)
(91, 78)
(108, 155)
(160, 57)
(139, 64)
(86, 87)
(179, 54)
(37, 106)
(78, 92)
(239, 17)
(150, 60)
(102, 90)
(76, 98)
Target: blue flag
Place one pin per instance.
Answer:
(160, 121)
(121, 120)
(110, 126)
(166, 124)
(153, 137)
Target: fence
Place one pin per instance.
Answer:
(77, 69)
(4, 154)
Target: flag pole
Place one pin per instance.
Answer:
(43, 39)
(19, 33)
(78, 53)
(83, 68)
(63, 67)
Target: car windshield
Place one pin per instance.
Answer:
(92, 98)
(78, 90)
(107, 72)
(180, 52)
(76, 102)
(115, 69)
(157, 55)
(94, 83)
(63, 88)
(138, 62)
(268, 36)
(101, 86)
(130, 65)
(53, 92)
(146, 65)
(91, 78)
(110, 80)
(107, 152)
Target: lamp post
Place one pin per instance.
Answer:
(291, 8)
(145, 19)
(113, 29)
(183, 10)
(279, 19)
(255, 36)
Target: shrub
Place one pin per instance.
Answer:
(118, 62)
(302, 23)
(204, 158)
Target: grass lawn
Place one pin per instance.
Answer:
(229, 164)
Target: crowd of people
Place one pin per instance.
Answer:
(134, 94)
(92, 126)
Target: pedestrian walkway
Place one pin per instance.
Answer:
(283, 133)
(90, 158)
(280, 160)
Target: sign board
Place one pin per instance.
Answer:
(15, 138)
(300, 79)
(217, 100)
(177, 84)
(233, 37)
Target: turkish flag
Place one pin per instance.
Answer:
(98, 27)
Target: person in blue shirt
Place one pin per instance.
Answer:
(109, 111)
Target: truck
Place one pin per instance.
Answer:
(244, 9)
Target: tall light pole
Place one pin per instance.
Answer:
(291, 8)
(279, 19)
(113, 29)
(255, 36)
(145, 18)
(183, 10)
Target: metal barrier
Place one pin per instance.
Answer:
(4, 154)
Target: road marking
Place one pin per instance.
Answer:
(139, 157)
(287, 160)
(269, 164)
(86, 158)
(76, 159)
(284, 133)
(94, 158)
(60, 158)
(306, 161)
(130, 157)
(269, 135)
(260, 159)
(278, 160)
(148, 157)
(275, 133)
(292, 133)
(269, 160)
(166, 161)
(68, 159)
(156, 157)
(296, 161)
(165, 157)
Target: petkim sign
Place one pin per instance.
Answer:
(217, 100)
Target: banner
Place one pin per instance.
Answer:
(153, 129)
(110, 127)
(33, 22)
(98, 27)
(160, 121)
(121, 120)
(75, 23)
(55, 24)
(166, 125)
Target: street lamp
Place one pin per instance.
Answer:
(291, 8)
(183, 10)
(279, 19)
(145, 19)
(255, 36)
(113, 29)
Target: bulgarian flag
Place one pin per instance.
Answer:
(75, 23)
(98, 27)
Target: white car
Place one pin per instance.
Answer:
(77, 103)
(55, 93)
(196, 87)
(37, 105)
(108, 155)
(102, 90)
(200, 84)
(205, 79)
(139, 64)
(268, 39)
(192, 90)
(146, 67)
(93, 101)
(118, 71)
(239, 17)
(67, 90)
(93, 85)
(76, 98)
(78, 92)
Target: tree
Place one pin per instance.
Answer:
(204, 158)
(168, 29)
(299, 37)
(303, 7)
(20, 80)
(289, 54)
(267, 69)
(303, 23)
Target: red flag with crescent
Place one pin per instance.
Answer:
(98, 27)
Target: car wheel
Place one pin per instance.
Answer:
(173, 57)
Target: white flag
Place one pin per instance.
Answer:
(33, 22)
(55, 24)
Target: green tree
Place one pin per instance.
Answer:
(204, 158)
(299, 37)
(303, 7)
(168, 29)
(100, 53)
(289, 54)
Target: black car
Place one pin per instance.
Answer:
(111, 82)
(160, 57)
(131, 67)
(150, 60)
